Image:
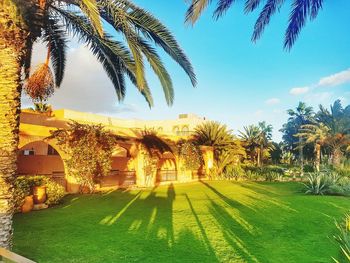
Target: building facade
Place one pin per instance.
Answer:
(38, 155)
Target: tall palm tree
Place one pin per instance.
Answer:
(301, 116)
(316, 134)
(301, 11)
(265, 139)
(24, 22)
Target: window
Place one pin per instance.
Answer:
(176, 130)
(51, 151)
(185, 130)
(28, 152)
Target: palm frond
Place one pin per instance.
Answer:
(299, 14)
(90, 9)
(149, 26)
(54, 36)
(251, 5)
(112, 55)
(222, 7)
(28, 59)
(195, 10)
(264, 18)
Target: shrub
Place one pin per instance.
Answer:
(328, 183)
(234, 172)
(23, 186)
(55, 192)
(343, 238)
(317, 184)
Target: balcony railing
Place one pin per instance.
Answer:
(119, 178)
(167, 175)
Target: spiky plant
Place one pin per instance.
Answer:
(123, 50)
(343, 238)
(301, 12)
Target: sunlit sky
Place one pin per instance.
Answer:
(239, 82)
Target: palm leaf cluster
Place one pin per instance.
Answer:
(227, 148)
(327, 131)
(301, 12)
(123, 49)
(257, 140)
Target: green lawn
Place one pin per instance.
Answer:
(197, 222)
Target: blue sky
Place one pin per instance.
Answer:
(239, 82)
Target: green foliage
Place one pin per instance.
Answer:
(191, 154)
(327, 183)
(23, 186)
(301, 12)
(55, 192)
(90, 149)
(227, 148)
(123, 55)
(343, 238)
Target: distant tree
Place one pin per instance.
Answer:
(338, 122)
(250, 137)
(316, 134)
(301, 11)
(302, 115)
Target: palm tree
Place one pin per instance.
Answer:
(301, 11)
(301, 116)
(316, 134)
(338, 122)
(265, 138)
(251, 141)
(227, 148)
(24, 22)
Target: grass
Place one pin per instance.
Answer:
(197, 222)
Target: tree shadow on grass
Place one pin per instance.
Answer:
(123, 226)
(232, 231)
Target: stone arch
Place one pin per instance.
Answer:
(40, 156)
(167, 167)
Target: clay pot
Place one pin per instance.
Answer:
(28, 204)
(39, 193)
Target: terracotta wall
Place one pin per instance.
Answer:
(120, 163)
(39, 164)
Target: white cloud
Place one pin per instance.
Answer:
(335, 79)
(272, 101)
(299, 90)
(259, 113)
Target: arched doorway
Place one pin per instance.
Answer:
(122, 169)
(167, 169)
(41, 158)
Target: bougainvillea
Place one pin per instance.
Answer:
(190, 154)
(90, 149)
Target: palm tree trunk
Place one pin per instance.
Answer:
(301, 157)
(258, 157)
(336, 156)
(12, 48)
(318, 156)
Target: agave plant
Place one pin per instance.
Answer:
(343, 238)
(317, 184)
